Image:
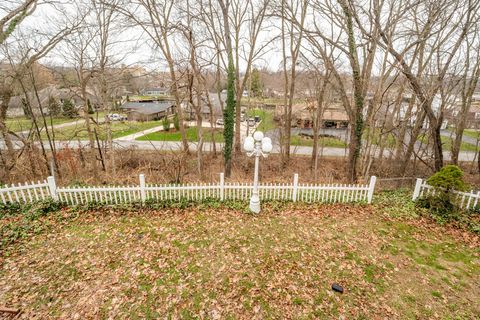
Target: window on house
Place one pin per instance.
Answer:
(477, 115)
(455, 113)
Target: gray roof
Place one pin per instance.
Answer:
(147, 107)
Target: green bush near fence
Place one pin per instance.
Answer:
(441, 204)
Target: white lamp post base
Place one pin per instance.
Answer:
(255, 204)
(257, 146)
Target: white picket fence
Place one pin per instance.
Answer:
(26, 193)
(194, 191)
(465, 200)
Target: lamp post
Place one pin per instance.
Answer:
(257, 146)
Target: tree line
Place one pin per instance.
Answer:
(368, 55)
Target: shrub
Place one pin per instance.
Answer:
(448, 178)
(176, 122)
(89, 107)
(445, 181)
(166, 124)
(54, 108)
(69, 110)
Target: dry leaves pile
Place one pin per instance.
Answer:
(222, 263)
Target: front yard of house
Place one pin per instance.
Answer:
(23, 124)
(119, 129)
(18, 124)
(192, 135)
(268, 123)
(297, 140)
(215, 261)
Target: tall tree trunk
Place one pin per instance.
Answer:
(356, 127)
(10, 155)
(228, 114)
(469, 86)
(317, 121)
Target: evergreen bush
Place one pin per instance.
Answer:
(166, 124)
(176, 122)
(441, 204)
(69, 109)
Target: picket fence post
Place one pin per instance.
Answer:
(416, 191)
(371, 188)
(222, 186)
(295, 187)
(52, 187)
(142, 188)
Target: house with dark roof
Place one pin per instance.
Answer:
(148, 110)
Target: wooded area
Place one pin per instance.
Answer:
(398, 69)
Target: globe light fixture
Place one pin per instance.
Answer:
(249, 144)
(257, 146)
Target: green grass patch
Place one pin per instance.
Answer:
(119, 129)
(23, 124)
(472, 133)
(377, 137)
(468, 132)
(267, 123)
(297, 140)
(447, 143)
(192, 135)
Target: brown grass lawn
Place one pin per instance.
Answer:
(221, 263)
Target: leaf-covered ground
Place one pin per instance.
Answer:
(220, 263)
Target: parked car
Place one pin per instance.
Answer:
(219, 122)
(116, 117)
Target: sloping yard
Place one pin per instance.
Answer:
(217, 262)
(118, 128)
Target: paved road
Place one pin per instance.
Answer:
(176, 145)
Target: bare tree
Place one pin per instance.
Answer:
(14, 15)
(37, 45)
(447, 26)
(469, 82)
(79, 52)
(342, 38)
(156, 19)
(292, 16)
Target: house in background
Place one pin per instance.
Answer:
(216, 103)
(334, 116)
(148, 110)
(46, 98)
(472, 119)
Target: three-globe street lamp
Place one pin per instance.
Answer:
(257, 146)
